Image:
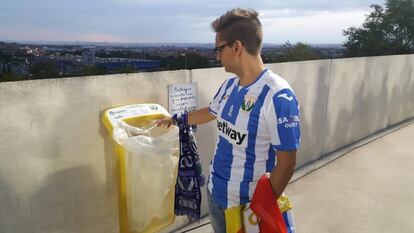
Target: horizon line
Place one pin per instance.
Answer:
(51, 42)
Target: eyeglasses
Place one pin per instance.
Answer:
(220, 48)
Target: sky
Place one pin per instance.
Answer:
(168, 21)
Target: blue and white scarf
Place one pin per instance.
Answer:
(190, 177)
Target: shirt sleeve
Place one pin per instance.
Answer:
(215, 103)
(283, 120)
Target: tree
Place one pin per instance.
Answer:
(386, 31)
(189, 61)
(92, 70)
(195, 61)
(10, 77)
(5, 57)
(297, 52)
(44, 69)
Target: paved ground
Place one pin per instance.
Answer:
(369, 190)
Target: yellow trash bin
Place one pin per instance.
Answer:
(145, 162)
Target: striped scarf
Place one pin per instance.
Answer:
(190, 177)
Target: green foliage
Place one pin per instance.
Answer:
(124, 70)
(10, 77)
(5, 57)
(188, 61)
(44, 69)
(120, 54)
(386, 31)
(195, 61)
(297, 52)
(92, 70)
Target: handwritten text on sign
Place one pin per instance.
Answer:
(182, 97)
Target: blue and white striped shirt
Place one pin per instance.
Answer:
(253, 122)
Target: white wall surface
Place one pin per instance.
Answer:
(57, 166)
(367, 95)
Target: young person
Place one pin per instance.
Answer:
(257, 117)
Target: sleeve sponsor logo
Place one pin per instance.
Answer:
(289, 121)
(233, 134)
(285, 96)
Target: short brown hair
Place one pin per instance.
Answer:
(243, 25)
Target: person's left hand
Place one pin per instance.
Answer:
(165, 122)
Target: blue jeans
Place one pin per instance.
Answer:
(218, 220)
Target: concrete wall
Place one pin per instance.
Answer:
(57, 166)
(367, 95)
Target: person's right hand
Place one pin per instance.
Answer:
(165, 122)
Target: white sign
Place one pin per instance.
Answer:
(182, 97)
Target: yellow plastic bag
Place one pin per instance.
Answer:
(150, 175)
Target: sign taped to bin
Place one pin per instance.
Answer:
(182, 97)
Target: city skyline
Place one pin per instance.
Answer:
(165, 21)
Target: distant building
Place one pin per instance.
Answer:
(88, 56)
